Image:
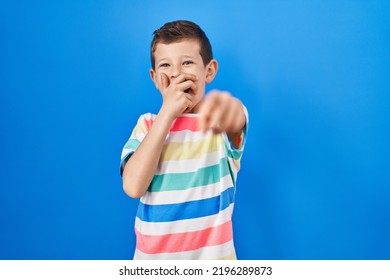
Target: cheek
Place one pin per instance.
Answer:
(201, 83)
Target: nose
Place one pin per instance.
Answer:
(175, 72)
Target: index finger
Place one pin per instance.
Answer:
(185, 77)
(164, 81)
(206, 110)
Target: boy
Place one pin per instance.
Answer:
(183, 162)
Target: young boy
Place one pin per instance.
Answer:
(183, 162)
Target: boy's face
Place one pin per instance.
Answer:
(183, 57)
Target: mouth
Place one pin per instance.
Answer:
(190, 91)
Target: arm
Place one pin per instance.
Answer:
(222, 112)
(141, 166)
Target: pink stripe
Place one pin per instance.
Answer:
(182, 123)
(148, 123)
(187, 241)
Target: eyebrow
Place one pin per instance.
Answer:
(161, 59)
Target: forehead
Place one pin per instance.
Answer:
(176, 49)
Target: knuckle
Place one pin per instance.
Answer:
(225, 96)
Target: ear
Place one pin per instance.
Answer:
(211, 70)
(153, 76)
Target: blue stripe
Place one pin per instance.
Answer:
(186, 210)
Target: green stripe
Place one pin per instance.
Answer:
(182, 181)
(132, 144)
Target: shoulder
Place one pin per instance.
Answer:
(148, 116)
(145, 121)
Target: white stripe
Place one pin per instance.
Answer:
(189, 165)
(191, 194)
(233, 166)
(149, 116)
(188, 225)
(187, 136)
(191, 115)
(125, 152)
(205, 253)
(138, 136)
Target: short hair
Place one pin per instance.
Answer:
(179, 30)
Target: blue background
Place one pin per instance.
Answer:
(314, 76)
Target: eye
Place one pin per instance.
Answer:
(188, 62)
(164, 65)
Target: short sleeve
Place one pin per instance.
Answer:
(138, 134)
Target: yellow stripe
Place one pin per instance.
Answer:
(191, 150)
(139, 129)
(237, 163)
(229, 257)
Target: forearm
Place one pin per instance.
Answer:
(236, 125)
(238, 121)
(141, 167)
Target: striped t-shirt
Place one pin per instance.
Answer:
(187, 210)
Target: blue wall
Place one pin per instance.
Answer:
(314, 75)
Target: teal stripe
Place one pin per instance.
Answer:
(132, 144)
(234, 154)
(182, 181)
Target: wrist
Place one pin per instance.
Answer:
(166, 115)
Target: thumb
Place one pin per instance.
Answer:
(164, 81)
